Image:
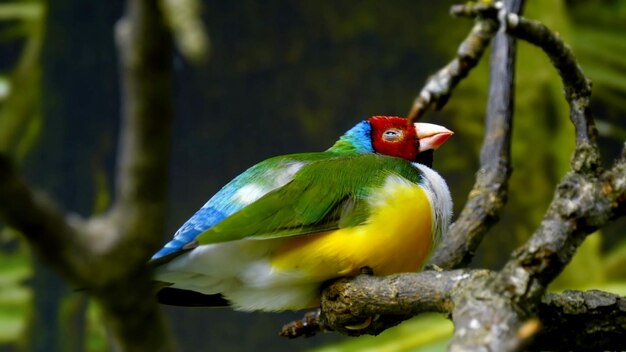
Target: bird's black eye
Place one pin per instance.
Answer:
(392, 135)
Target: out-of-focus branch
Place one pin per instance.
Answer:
(106, 255)
(43, 224)
(489, 193)
(138, 215)
(184, 18)
(145, 46)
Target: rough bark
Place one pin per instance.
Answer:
(599, 315)
(594, 319)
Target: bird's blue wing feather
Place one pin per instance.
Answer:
(202, 220)
(241, 191)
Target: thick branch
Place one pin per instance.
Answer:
(593, 319)
(369, 305)
(586, 198)
(347, 303)
(392, 299)
(582, 203)
(489, 193)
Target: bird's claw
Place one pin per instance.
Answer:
(366, 270)
(365, 324)
(362, 325)
(434, 267)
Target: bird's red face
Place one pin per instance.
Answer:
(394, 136)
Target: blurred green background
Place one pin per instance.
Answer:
(283, 76)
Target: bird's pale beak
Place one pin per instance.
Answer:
(431, 136)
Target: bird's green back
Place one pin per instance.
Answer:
(326, 194)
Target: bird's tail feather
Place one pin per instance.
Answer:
(186, 298)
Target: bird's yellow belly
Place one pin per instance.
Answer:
(396, 238)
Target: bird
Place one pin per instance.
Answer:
(271, 237)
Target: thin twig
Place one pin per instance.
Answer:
(439, 86)
(308, 326)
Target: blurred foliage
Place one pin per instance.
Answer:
(15, 296)
(20, 119)
(591, 268)
(287, 77)
(429, 332)
(21, 37)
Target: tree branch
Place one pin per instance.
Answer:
(439, 86)
(577, 87)
(391, 299)
(489, 193)
(565, 321)
(579, 207)
(593, 319)
(184, 18)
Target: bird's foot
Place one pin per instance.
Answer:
(365, 324)
(434, 267)
(366, 270)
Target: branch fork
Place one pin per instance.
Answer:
(506, 310)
